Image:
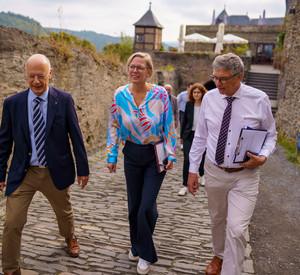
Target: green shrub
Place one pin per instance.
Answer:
(290, 147)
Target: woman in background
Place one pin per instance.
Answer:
(141, 115)
(190, 121)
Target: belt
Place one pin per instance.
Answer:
(231, 170)
(38, 166)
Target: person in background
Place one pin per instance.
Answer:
(141, 116)
(39, 124)
(174, 104)
(182, 98)
(209, 85)
(196, 93)
(232, 188)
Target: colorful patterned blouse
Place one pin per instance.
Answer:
(150, 122)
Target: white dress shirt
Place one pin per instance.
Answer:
(251, 108)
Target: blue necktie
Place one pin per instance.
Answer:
(39, 132)
(224, 132)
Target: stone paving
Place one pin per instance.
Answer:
(182, 235)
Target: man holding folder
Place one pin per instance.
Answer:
(231, 187)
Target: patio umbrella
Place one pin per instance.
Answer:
(196, 37)
(180, 40)
(231, 39)
(219, 39)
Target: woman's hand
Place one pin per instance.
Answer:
(169, 166)
(112, 167)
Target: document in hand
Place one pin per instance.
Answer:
(161, 155)
(250, 140)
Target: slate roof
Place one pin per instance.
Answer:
(269, 21)
(222, 17)
(148, 20)
(238, 20)
(245, 20)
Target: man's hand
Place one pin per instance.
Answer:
(112, 167)
(2, 185)
(192, 183)
(83, 180)
(169, 166)
(254, 161)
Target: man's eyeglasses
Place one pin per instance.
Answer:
(222, 80)
(39, 77)
(138, 68)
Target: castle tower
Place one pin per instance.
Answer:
(148, 33)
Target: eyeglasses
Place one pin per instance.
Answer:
(222, 80)
(39, 77)
(138, 68)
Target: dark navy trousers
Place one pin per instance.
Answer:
(143, 184)
(187, 144)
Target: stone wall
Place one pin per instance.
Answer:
(183, 68)
(91, 85)
(186, 67)
(288, 115)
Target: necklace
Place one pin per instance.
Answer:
(139, 97)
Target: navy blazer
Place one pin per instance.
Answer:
(61, 124)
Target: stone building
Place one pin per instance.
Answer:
(148, 33)
(262, 34)
(288, 115)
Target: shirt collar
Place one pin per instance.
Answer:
(44, 96)
(237, 94)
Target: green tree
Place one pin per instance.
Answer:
(119, 51)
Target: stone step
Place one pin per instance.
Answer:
(267, 83)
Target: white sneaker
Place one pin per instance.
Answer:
(202, 181)
(131, 257)
(143, 267)
(183, 191)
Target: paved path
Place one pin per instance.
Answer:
(182, 234)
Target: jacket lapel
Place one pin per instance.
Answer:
(52, 106)
(23, 108)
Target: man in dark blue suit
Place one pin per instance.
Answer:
(38, 124)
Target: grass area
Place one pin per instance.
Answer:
(290, 147)
(67, 45)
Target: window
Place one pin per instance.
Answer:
(139, 38)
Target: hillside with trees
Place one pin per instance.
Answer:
(21, 22)
(31, 26)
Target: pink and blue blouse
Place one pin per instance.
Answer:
(145, 124)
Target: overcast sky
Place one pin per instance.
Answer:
(115, 16)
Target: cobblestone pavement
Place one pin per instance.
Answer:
(182, 235)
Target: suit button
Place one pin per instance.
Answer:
(29, 154)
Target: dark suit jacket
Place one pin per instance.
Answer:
(61, 124)
(188, 119)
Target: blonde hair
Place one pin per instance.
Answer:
(147, 57)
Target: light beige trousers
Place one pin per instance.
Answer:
(231, 202)
(17, 203)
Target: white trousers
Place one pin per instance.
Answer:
(231, 202)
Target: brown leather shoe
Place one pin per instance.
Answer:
(214, 267)
(17, 272)
(73, 247)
